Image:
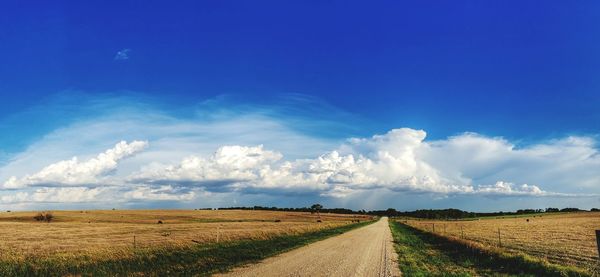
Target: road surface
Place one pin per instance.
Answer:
(366, 251)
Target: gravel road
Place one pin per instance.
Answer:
(366, 251)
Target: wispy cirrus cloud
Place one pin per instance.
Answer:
(123, 54)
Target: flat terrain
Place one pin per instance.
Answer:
(422, 253)
(97, 235)
(366, 251)
(564, 239)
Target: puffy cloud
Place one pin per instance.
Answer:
(111, 194)
(400, 160)
(227, 164)
(508, 189)
(56, 195)
(75, 173)
(559, 165)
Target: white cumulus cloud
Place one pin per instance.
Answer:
(508, 189)
(57, 195)
(400, 160)
(76, 173)
(227, 164)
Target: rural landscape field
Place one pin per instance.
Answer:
(206, 241)
(91, 237)
(561, 238)
(300, 138)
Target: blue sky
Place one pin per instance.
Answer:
(315, 72)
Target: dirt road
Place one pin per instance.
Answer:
(366, 251)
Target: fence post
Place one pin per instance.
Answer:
(433, 227)
(134, 244)
(499, 241)
(462, 234)
(598, 240)
(218, 233)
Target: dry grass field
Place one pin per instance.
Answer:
(565, 239)
(98, 235)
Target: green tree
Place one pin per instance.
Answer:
(316, 208)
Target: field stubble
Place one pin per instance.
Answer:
(100, 235)
(564, 239)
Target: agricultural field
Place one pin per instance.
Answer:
(81, 237)
(564, 239)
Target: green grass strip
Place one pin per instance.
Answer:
(426, 254)
(189, 261)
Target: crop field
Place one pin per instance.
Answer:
(98, 235)
(564, 239)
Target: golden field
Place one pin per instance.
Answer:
(110, 234)
(565, 239)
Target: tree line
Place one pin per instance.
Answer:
(460, 214)
(426, 214)
(313, 208)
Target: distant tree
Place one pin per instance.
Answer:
(570, 210)
(316, 208)
(391, 212)
(552, 210)
(595, 210)
(526, 211)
